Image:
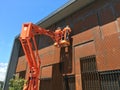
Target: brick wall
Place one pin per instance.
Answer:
(95, 31)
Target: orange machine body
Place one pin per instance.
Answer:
(28, 42)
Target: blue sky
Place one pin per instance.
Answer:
(13, 13)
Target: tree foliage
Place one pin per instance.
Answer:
(16, 83)
(1, 85)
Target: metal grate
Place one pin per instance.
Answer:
(110, 80)
(90, 76)
(88, 64)
(94, 80)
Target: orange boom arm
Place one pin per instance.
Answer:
(28, 42)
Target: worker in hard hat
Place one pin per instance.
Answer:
(58, 35)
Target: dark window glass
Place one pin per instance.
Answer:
(22, 74)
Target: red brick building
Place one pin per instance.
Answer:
(91, 62)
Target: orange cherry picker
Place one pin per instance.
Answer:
(28, 42)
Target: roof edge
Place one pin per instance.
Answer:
(55, 12)
(62, 12)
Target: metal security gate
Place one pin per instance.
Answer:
(94, 80)
(90, 76)
(110, 80)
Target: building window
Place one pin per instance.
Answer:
(22, 74)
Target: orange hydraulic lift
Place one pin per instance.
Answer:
(28, 42)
